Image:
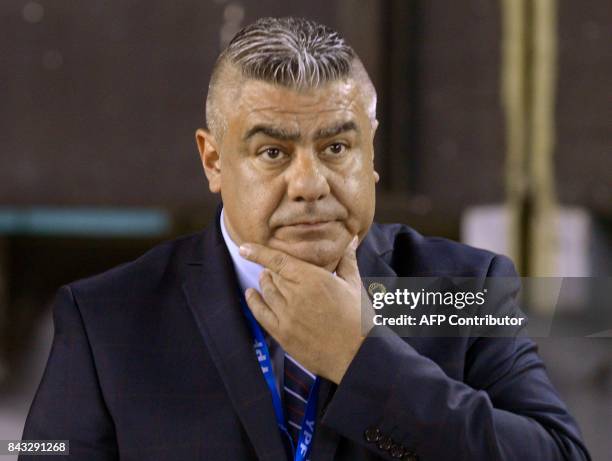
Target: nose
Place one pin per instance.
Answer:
(306, 181)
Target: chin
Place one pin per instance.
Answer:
(322, 253)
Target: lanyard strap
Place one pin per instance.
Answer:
(306, 434)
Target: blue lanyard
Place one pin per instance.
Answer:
(306, 434)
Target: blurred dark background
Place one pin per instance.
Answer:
(99, 102)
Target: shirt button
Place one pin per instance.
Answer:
(372, 434)
(385, 443)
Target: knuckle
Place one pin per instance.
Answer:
(269, 293)
(251, 298)
(267, 315)
(256, 303)
(279, 261)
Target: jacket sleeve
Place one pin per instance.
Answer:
(504, 409)
(68, 404)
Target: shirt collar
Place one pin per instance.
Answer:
(247, 271)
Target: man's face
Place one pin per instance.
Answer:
(295, 169)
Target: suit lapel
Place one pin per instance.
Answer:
(212, 293)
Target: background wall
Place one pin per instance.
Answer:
(99, 102)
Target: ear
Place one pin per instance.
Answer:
(374, 127)
(211, 161)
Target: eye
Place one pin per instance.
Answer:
(271, 154)
(336, 149)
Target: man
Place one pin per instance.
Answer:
(244, 340)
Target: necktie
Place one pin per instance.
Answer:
(298, 381)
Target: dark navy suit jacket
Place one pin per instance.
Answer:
(153, 361)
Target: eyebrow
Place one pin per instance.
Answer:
(284, 135)
(336, 130)
(272, 132)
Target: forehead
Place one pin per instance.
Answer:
(262, 102)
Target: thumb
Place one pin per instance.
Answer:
(347, 267)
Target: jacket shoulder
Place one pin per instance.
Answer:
(157, 266)
(413, 254)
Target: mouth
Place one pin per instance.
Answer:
(311, 225)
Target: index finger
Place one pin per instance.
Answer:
(277, 261)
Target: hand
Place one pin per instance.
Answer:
(314, 315)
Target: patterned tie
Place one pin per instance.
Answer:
(298, 381)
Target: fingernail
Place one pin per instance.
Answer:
(355, 243)
(245, 250)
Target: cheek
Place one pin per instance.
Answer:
(255, 198)
(355, 190)
(362, 205)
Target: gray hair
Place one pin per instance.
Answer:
(291, 52)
